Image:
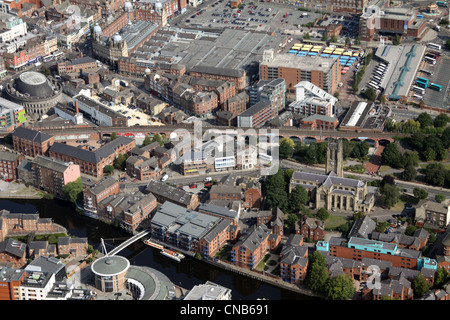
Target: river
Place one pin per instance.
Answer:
(187, 273)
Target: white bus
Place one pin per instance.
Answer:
(430, 60)
(48, 58)
(57, 54)
(418, 97)
(434, 46)
(419, 89)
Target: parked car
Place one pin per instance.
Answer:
(193, 186)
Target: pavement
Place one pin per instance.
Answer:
(374, 164)
(17, 190)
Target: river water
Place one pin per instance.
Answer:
(187, 273)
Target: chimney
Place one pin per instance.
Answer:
(76, 107)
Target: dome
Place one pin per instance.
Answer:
(110, 266)
(128, 6)
(117, 38)
(97, 29)
(34, 84)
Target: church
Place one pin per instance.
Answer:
(331, 190)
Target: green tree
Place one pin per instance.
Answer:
(441, 277)
(420, 285)
(370, 94)
(339, 288)
(297, 198)
(429, 154)
(292, 219)
(157, 138)
(420, 193)
(441, 120)
(397, 40)
(389, 195)
(333, 39)
(108, 169)
(317, 276)
(410, 173)
(113, 136)
(147, 141)
(306, 36)
(425, 120)
(121, 161)
(74, 190)
(439, 198)
(322, 214)
(410, 158)
(391, 155)
(434, 174)
(286, 149)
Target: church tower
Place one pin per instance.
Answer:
(335, 157)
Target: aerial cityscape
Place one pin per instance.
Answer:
(224, 150)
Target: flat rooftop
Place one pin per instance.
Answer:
(307, 63)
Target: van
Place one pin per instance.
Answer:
(164, 178)
(209, 179)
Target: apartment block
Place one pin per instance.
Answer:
(8, 165)
(323, 72)
(30, 142)
(52, 175)
(294, 260)
(94, 194)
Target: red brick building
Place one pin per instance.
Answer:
(10, 283)
(96, 193)
(319, 122)
(253, 246)
(294, 260)
(238, 77)
(8, 164)
(30, 142)
(311, 228)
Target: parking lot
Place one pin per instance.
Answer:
(252, 16)
(134, 115)
(441, 76)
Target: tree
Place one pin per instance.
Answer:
(147, 141)
(387, 179)
(324, 36)
(306, 36)
(441, 120)
(434, 174)
(108, 169)
(370, 94)
(276, 191)
(317, 272)
(420, 285)
(397, 40)
(333, 39)
(391, 155)
(425, 120)
(348, 41)
(322, 214)
(410, 158)
(410, 173)
(429, 154)
(339, 288)
(157, 138)
(120, 161)
(113, 136)
(74, 190)
(420, 193)
(389, 195)
(297, 198)
(292, 219)
(439, 198)
(286, 148)
(441, 277)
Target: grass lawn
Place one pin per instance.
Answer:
(335, 221)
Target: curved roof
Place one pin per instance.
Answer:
(35, 84)
(110, 266)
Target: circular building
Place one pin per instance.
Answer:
(114, 275)
(35, 92)
(109, 273)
